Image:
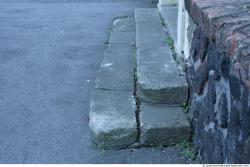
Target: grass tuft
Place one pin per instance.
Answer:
(186, 150)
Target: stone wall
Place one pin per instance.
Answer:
(218, 73)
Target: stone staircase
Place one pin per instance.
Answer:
(158, 79)
(139, 91)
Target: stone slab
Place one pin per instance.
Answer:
(112, 119)
(149, 31)
(170, 16)
(119, 56)
(117, 69)
(124, 37)
(163, 125)
(158, 79)
(124, 24)
(144, 15)
(115, 78)
(168, 2)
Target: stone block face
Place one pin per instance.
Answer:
(115, 78)
(158, 79)
(168, 2)
(116, 71)
(149, 32)
(112, 119)
(170, 16)
(118, 37)
(163, 125)
(218, 76)
(124, 24)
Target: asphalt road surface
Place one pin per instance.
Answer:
(50, 51)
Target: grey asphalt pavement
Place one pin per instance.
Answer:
(50, 51)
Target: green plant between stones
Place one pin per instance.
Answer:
(170, 42)
(189, 153)
(182, 145)
(186, 150)
(162, 21)
(185, 107)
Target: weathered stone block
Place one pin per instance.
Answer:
(126, 37)
(168, 2)
(115, 78)
(158, 79)
(163, 125)
(124, 24)
(149, 32)
(116, 71)
(112, 119)
(170, 16)
(119, 56)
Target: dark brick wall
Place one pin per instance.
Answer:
(218, 74)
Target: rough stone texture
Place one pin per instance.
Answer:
(170, 16)
(149, 32)
(168, 2)
(119, 56)
(115, 78)
(124, 24)
(123, 31)
(116, 71)
(218, 76)
(158, 79)
(112, 119)
(48, 67)
(163, 125)
(122, 37)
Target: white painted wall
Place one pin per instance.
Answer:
(186, 48)
(183, 45)
(185, 27)
(180, 27)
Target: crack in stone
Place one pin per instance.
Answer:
(138, 105)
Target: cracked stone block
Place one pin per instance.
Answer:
(163, 125)
(158, 79)
(116, 71)
(112, 119)
(149, 31)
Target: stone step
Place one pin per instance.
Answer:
(123, 31)
(116, 71)
(149, 32)
(158, 79)
(112, 119)
(169, 14)
(124, 24)
(163, 125)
